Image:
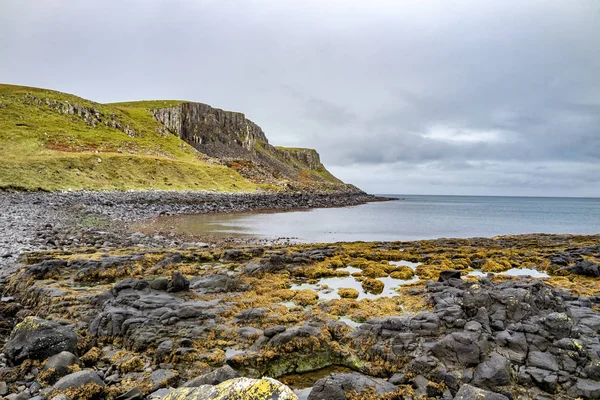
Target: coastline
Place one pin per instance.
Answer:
(151, 313)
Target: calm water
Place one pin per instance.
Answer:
(412, 217)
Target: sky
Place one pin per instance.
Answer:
(463, 97)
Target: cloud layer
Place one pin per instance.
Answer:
(463, 97)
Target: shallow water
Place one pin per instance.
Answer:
(302, 384)
(412, 265)
(335, 283)
(412, 218)
(349, 322)
(514, 272)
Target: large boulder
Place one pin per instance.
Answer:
(336, 387)
(236, 389)
(38, 339)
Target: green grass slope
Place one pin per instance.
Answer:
(47, 144)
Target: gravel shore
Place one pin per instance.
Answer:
(40, 221)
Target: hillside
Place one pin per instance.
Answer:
(55, 141)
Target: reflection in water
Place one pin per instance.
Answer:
(327, 288)
(514, 272)
(412, 265)
(414, 217)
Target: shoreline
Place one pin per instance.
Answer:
(151, 312)
(35, 221)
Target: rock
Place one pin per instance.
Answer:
(493, 372)
(77, 380)
(159, 284)
(585, 388)
(335, 387)
(163, 378)
(542, 360)
(270, 332)
(459, 348)
(468, 392)
(59, 365)
(398, 379)
(585, 268)
(213, 378)
(3, 389)
(236, 389)
(252, 314)
(178, 283)
(37, 339)
(449, 274)
(215, 283)
(133, 394)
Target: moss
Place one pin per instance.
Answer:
(498, 265)
(348, 293)
(131, 364)
(90, 391)
(404, 273)
(306, 297)
(372, 286)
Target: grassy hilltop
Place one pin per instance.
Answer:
(55, 141)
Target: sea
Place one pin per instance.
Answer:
(411, 217)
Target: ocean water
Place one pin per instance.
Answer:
(412, 217)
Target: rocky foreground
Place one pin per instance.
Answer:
(118, 319)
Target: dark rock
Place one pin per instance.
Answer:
(78, 379)
(585, 268)
(270, 332)
(398, 379)
(213, 378)
(41, 270)
(132, 394)
(468, 392)
(178, 283)
(251, 314)
(493, 372)
(163, 378)
(449, 274)
(59, 365)
(37, 339)
(160, 284)
(335, 387)
(586, 389)
(215, 283)
(459, 348)
(542, 360)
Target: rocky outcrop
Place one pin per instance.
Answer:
(90, 115)
(37, 339)
(242, 145)
(213, 131)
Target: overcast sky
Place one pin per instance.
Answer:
(413, 96)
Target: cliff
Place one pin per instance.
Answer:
(56, 141)
(242, 145)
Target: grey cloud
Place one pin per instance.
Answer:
(366, 85)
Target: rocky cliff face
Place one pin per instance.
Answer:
(242, 145)
(213, 131)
